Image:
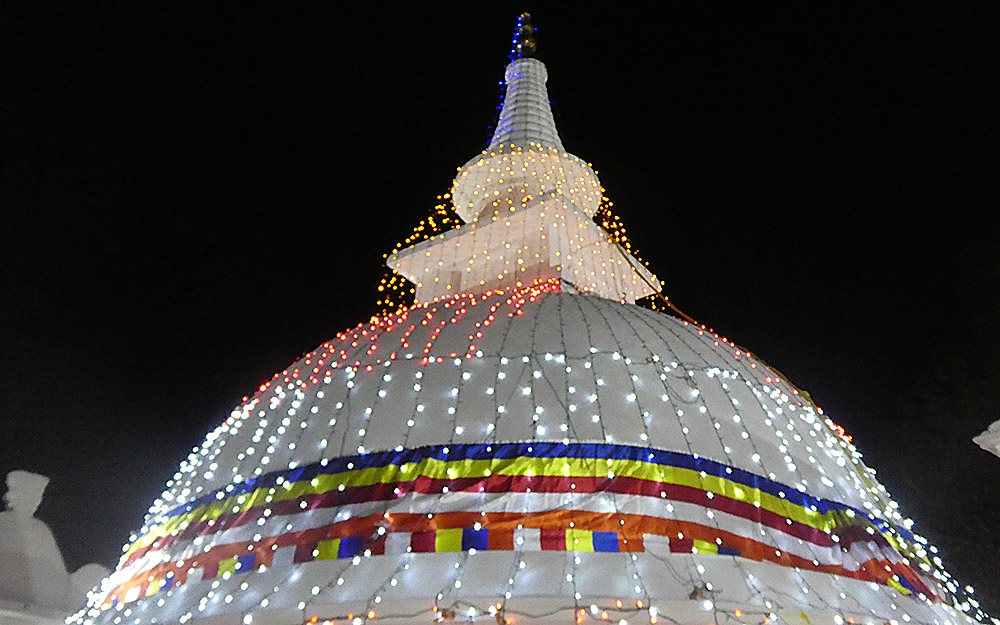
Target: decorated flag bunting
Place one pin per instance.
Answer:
(555, 485)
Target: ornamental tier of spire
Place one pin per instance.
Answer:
(528, 207)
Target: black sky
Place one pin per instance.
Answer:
(196, 196)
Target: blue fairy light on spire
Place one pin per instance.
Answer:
(522, 45)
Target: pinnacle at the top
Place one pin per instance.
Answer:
(524, 38)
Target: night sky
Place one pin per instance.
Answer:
(194, 197)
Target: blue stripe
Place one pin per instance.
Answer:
(245, 563)
(606, 541)
(475, 539)
(350, 546)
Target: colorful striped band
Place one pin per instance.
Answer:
(386, 502)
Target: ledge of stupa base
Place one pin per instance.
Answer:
(280, 616)
(744, 591)
(543, 611)
(541, 275)
(509, 172)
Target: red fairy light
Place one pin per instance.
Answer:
(841, 432)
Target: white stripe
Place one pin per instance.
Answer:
(528, 539)
(283, 556)
(397, 542)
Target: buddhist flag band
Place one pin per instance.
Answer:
(516, 496)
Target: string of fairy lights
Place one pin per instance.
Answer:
(681, 373)
(681, 381)
(614, 226)
(395, 292)
(431, 226)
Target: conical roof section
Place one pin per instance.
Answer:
(526, 455)
(526, 116)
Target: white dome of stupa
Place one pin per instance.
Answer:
(526, 445)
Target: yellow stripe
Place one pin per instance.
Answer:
(579, 540)
(327, 549)
(901, 588)
(448, 540)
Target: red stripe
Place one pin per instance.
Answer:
(681, 545)
(378, 546)
(423, 542)
(553, 539)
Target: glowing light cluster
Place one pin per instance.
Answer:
(396, 292)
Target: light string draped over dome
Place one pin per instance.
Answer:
(526, 447)
(524, 435)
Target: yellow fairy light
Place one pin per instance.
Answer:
(398, 292)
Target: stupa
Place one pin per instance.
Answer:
(527, 445)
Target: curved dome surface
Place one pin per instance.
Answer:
(526, 455)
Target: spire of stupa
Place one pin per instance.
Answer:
(528, 208)
(526, 116)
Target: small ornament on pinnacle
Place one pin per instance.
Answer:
(524, 37)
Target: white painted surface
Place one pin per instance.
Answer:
(35, 586)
